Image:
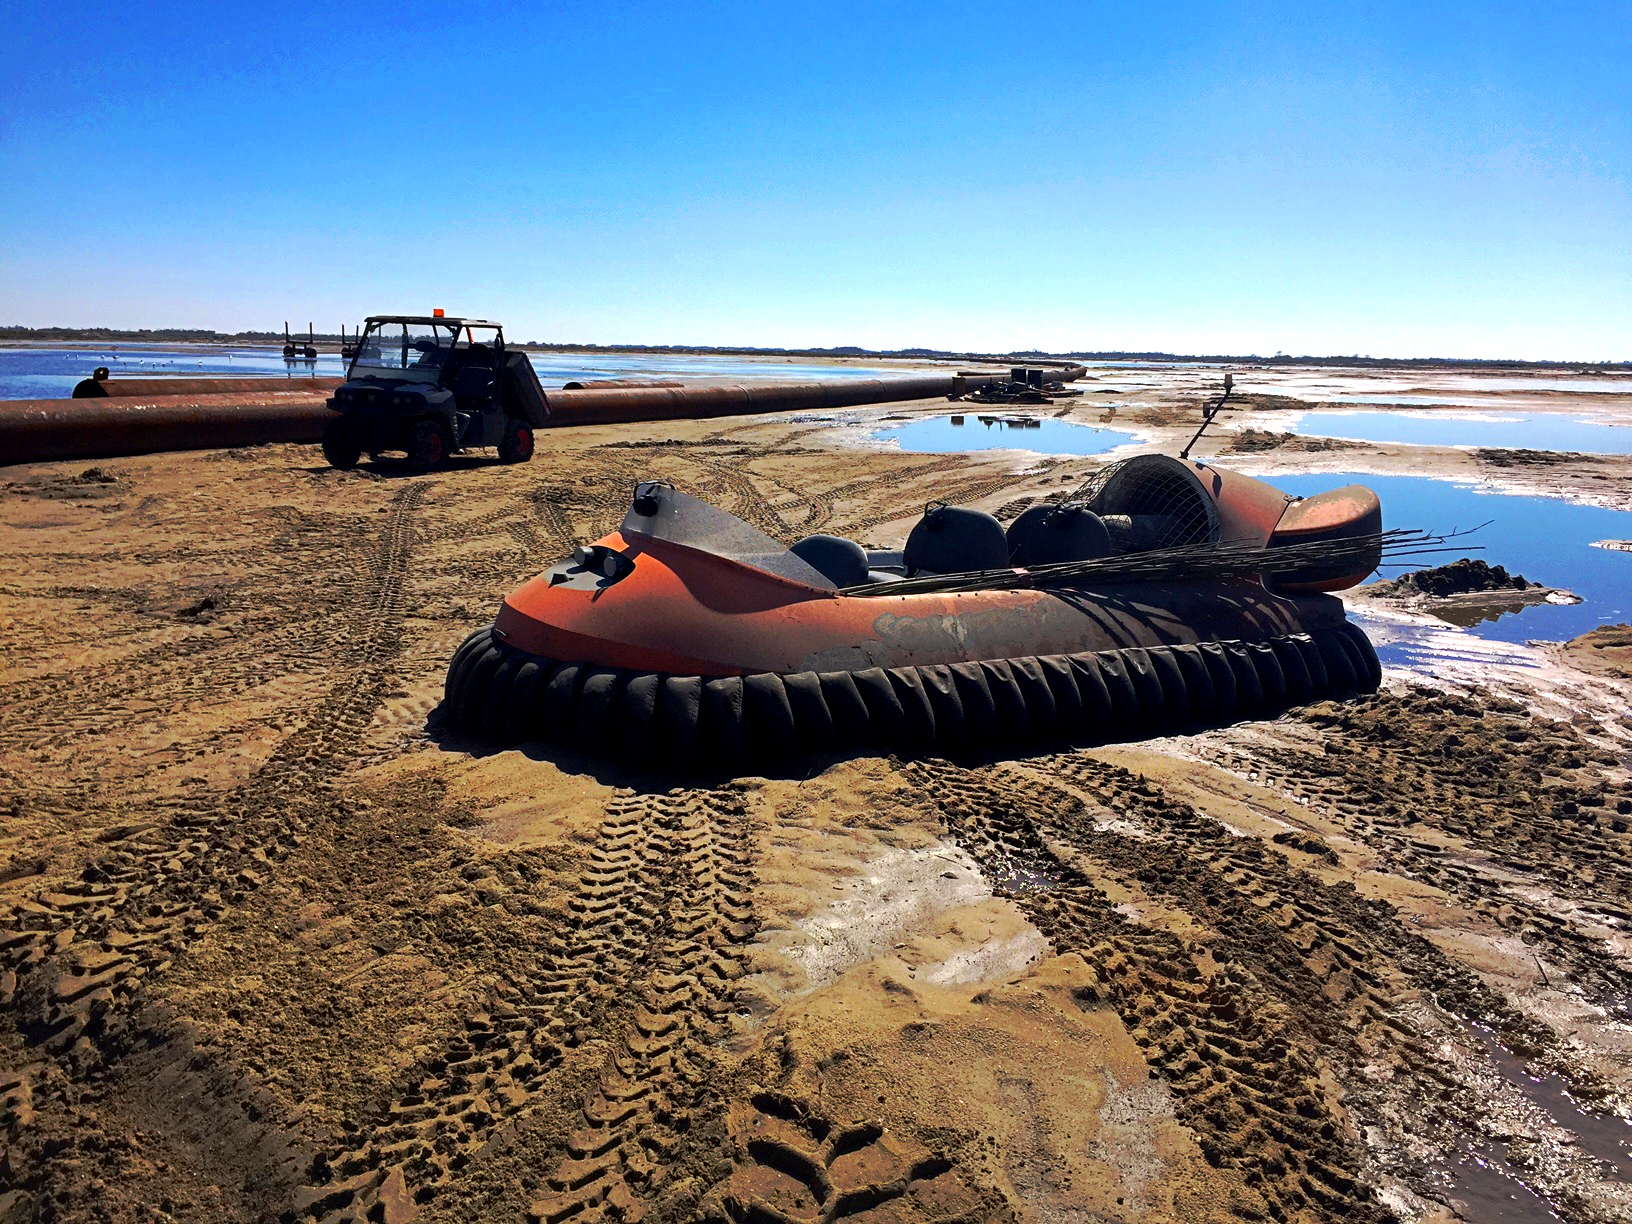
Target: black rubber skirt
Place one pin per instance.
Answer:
(507, 696)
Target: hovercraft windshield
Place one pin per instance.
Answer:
(661, 512)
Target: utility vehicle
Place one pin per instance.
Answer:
(431, 386)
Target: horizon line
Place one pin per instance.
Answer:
(207, 335)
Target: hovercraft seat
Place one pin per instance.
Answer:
(1049, 534)
(955, 540)
(842, 562)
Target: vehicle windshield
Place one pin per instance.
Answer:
(473, 334)
(404, 352)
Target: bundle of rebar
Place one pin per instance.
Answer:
(1226, 559)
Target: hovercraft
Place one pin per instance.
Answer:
(1162, 597)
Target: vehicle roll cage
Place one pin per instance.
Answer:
(433, 321)
(452, 323)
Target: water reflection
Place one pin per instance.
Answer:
(1546, 539)
(1002, 431)
(1532, 431)
(1468, 615)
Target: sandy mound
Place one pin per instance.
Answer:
(1248, 440)
(1464, 592)
(1606, 651)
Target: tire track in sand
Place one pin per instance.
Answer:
(654, 938)
(1531, 833)
(1341, 978)
(72, 959)
(1243, 1071)
(794, 1165)
(182, 663)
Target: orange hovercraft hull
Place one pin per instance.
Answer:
(687, 637)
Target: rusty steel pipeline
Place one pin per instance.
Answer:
(274, 410)
(612, 405)
(34, 430)
(146, 388)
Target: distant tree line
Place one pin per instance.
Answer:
(192, 335)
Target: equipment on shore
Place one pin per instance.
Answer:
(200, 413)
(33, 431)
(299, 352)
(194, 414)
(432, 386)
(100, 386)
(1172, 596)
(1025, 385)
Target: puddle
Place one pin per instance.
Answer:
(1490, 1189)
(1608, 1139)
(972, 431)
(1492, 1181)
(1546, 539)
(1012, 879)
(1533, 431)
(898, 892)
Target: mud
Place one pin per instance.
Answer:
(1606, 651)
(1465, 592)
(1464, 577)
(1245, 441)
(278, 946)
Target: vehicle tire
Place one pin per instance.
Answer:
(338, 447)
(427, 446)
(517, 444)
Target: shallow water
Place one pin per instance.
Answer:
(1493, 1190)
(1533, 431)
(1411, 387)
(1424, 400)
(46, 372)
(1608, 1139)
(1011, 430)
(50, 373)
(1492, 1185)
(1546, 539)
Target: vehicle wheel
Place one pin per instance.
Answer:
(427, 446)
(338, 447)
(517, 444)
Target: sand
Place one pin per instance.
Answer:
(276, 945)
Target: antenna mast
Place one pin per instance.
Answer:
(1208, 412)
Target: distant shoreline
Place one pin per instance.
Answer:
(23, 337)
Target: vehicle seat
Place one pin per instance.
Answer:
(955, 540)
(842, 562)
(1049, 534)
(473, 382)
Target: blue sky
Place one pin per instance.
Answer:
(1407, 179)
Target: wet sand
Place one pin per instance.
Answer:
(276, 945)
